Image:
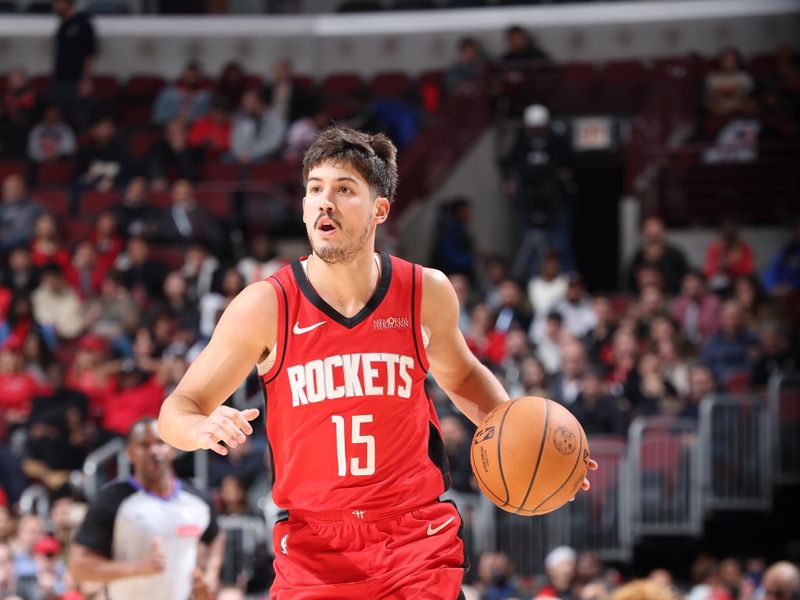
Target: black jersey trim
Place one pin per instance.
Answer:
(266, 433)
(277, 366)
(377, 297)
(438, 455)
(416, 327)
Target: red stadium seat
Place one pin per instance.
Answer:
(76, 230)
(622, 86)
(393, 85)
(93, 202)
(143, 87)
(160, 200)
(54, 201)
(57, 172)
(141, 141)
(134, 116)
(305, 82)
(277, 172)
(41, 84)
(576, 90)
(342, 84)
(218, 203)
(762, 64)
(254, 82)
(172, 257)
(12, 167)
(106, 86)
(218, 171)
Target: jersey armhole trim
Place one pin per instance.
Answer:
(416, 316)
(283, 331)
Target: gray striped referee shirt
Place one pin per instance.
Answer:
(123, 520)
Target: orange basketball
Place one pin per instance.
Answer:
(529, 456)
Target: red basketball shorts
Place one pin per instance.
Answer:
(417, 554)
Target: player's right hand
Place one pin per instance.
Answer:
(224, 425)
(155, 561)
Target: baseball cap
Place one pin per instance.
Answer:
(47, 545)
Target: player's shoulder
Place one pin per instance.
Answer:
(436, 285)
(256, 299)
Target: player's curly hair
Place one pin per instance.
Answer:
(373, 156)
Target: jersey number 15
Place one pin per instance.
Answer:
(356, 437)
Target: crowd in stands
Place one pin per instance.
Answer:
(96, 329)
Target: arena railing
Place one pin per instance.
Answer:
(664, 489)
(735, 453)
(35, 499)
(783, 399)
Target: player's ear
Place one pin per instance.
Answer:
(381, 208)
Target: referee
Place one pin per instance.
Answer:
(149, 537)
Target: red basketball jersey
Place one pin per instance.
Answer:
(349, 424)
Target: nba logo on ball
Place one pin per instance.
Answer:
(484, 434)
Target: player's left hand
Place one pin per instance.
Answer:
(200, 587)
(592, 466)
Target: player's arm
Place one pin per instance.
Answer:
(209, 562)
(86, 564)
(192, 416)
(468, 383)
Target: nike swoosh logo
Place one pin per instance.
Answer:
(301, 330)
(434, 530)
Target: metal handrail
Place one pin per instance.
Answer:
(35, 497)
(775, 385)
(112, 449)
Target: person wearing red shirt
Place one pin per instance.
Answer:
(17, 387)
(212, 132)
(727, 258)
(139, 396)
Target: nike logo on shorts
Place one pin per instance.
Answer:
(434, 530)
(301, 330)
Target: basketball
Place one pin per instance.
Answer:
(529, 456)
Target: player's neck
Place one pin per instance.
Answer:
(347, 287)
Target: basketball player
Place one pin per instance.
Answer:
(141, 535)
(343, 340)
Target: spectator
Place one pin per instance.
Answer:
(176, 304)
(75, 52)
(17, 386)
(534, 378)
(729, 352)
(171, 156)
(17, 110)
(89, 271)
(143, 274)
(495, 577)
(706, 580)
(303, 132)
(674, 365)
(51, 138)
(545, 290)
(521, 45)
(647, 390)
(701, 385)
(88, 107)
(598, 340)
(560, 566)
(781, 581)
(261, 261)
(456, 441)
(285, 97)
(56, 304)
(517, 349)
(138, 395)
(113, 314)
(199, 269)
(576, 308)
(37, 355)
(103, 163)
(512, 311)
(623, 356)
(8, 577)
(19, 322)
(213, 304)
(656, 252)
(186, 221)
(18, 213)
(463, 291)
(58, 438)
(135, 215)
(566, 385)
(47, 246)
(696, 309)
(727, 258)
(187, 98)
(106, 240)
(729, 87)
(596, 409)
(257, 132)
(774, 357)
(92, 374)
(211, 133)
(454, 247)
(245, 462)
(548, 346)
(483, 340)
(782, 277)
(232, 84)
(748, 293)
(30, 530)
(19, 275)
(464, 75)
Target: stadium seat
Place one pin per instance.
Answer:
(218, 171)
(106, 86)
(12, 167)
(140, 142)
(218, 203)
(254, 82)
(393, 85)
(134, 116)
(305, 82)
(76, 230)
(160, 200)
(41, 84)
(342, 84)
(762, 64)
(143, 88)
(57, 172)
(622, 86)
(172, 257)
(94, 202)
(277, 172)
(576, 90)
(55, 201)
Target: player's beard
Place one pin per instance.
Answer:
(335, 254)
